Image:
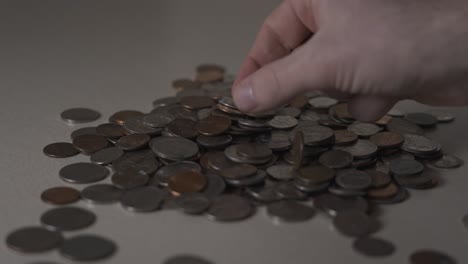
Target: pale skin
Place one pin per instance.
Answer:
(373, 52)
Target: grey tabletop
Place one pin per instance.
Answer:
(114, 55)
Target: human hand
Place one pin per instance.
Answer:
(375, 52)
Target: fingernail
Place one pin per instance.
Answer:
(244, 97)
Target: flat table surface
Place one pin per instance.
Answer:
(114, 55)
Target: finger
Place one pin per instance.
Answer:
(285, 29)
(369, 108)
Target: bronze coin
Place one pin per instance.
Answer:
(186, 182)
(254, 151)
(384, 120)
(316, 174)
(60, 195)
(88, 144)
(183, 127)
(60, 150)
(428, 256)
(213, 125)
(209, 76)
(379, 178)
(121, 116)
(300, 101)
(343, 137)
(133, 142)
(336, 159)
(206, 67)
(387, 139)
(196, 102)
(297, 150)
(185, 83)
(342, 112)
(238, 171)
(111, 130)
(382, 193)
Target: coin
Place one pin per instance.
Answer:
(353, 179)
(230, 207)
(83, 131)
(213, 125)
(298, 149)
(83, 172)
(283, 122)
(142, 199)
(106, 156)
(290, 211)
(174, 148)
(422, 119)
(218, 161)
(387, 139)
(379, 178)
(67, 218)
(87, 248)
(403, 126)
(111, 130)
(257, 178)
(343, 137)
(278, 140)
(79, 115)
(316, 174)
(384, 192)
(161, 177)
(220, 141)
(342, 111)
(336, 159)
(136, 125)
(353, 223)
(33, 239)
(121, 116)
(447, 162)
(101, 193)
(281, 172)
(60, 195)
(287, 190)
(442, 116)
(361, 149)
(196, 102)
(193, 203)
(166, 101)
(364, 129)
(129, 179)
(395, 113)
(60, 150)
(231, 153)
(299, 101)
(183, 83)
(333, 204)
(314, 135)
(373, 247)
(186, 259)
(429, 256)
(183, 128)
(141, 160)
(254, 151)
(322, 102)
(88, 144)
(158, 119)
(289, 111)
(238, 171)
(215, 185)
(133, 142)
(186, 182)
(406, 167)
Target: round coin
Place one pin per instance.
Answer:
(174, 148)
(353, 223)
(364, 129)
(101, 193)
(281, 172)
(361, 149)
(353, 179)
(447, 162)
(316, 174)
(185, 128)
(60, 195)
(229, 207)
(283, 122)
(387, 139)
(111, 130)
(33, 239)
(161, 177)
(129, 179)
(442, 116)
(428, 256)
(336, 159)
(106, 156)
(67, 218)
(193, 203)
(238, 171)
(142, 199)
(379, 179)
(60, 150)
(343, 137)
(333, 204)
(186, 259)
(322, 102)
(405, 167)
(88, 144)
(403, 126)
(133, 142)
(121, 116)
(196, 102)
(83, 131)
(422, 119)
(186, 182)
(87, 248)
(215, 185)
(79, 115)
(83, 172)
(384, 192)
(158, 119)
(373, 247)
(290, 211)
(135, 125)
(213, 125)
(254, 151)
(214, 141)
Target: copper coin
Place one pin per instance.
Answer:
(379, 179)
(254, 151)
(205, 67)
(341, 111)
(183, 127)
(88, 144)
(384, 120)
(238, 171)
(196, 102)
(79, 115)
(387, 139)
(213, 125)
(316, 174)
(185, 83)
(83, 131)
(343, 137)
(133, 142)
(336, 159)
(298, 149)
(60, 195)
(428, 256)
(121, 116)
(111, 130)
(60, 150)
(186, 182)
(300, 101)
(382, 193)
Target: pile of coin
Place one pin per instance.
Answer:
(199, 153)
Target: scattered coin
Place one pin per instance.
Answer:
(403, 126)
(238, 171)
(353, 223)
(336, 159)
(33, 239)
(133, 142)
(193, 203)
(283, 122)
(186, 182)
(83, 172)
(60, 195)
(196, 102)
(428, 256)
(111, 130)
(298, 149)
(422, 119)
(220, 141)
(406, 167)
(316, 174)
(344, 137)
(186, 259)
(121, 116)
(174, 148)
(333, 204)
(142, 199)
(129, 179)
(106, 156)
(447, 162)
(87, 248)
(387, 139)
(353, 179)
(83, 131)
(60, 150)
(373, 247)
(67, 218)
(379, 179)
(364, 129)
(88, 144)
(281, 172)
(136, 125)
(79, 115)
(361, 149)
(322, 102)
(213, 125)
(101, 193)
(229, 207)
(290, 211)
(442, 116)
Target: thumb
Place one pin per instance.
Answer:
(279, 82)
(368, 108)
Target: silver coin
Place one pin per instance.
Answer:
(447, 162)
(218, 161)
(214, 141)
(87, 248)
(67, 218)
(422, 119)
(403, 126)
(165, 101)
(174, 148)
(230, 207)
(342, 192)
(161, 177)
(442, 116)
(257, 178)
(333, 204)
(193, 203)
(83, 172)
(308, 187)
(364, 129)
(264, 193)
(336, 159)
(353, 179)
(314, 135)
(288, 191)
(129, 179)
(101, 194)
(396, 156)
(283, 122)
(142, 199)
(361, 149)
(281, 172)
(289, 111)
(228, 102)
(309, 115)
(406, 167)
(419, 144)
(279, 140)
(253, 123)
(176, 110)
(290, 211)
(135, 125)
(79, 115)
(395, 113)
(106, 156)
(186, 259)
(215, 185)
(158, 119)
(143, 161)
(33, 239)
(322, 102)
(232, 154)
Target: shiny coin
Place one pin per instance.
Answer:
(33, 240)
(83, 172)
(214, 141)
(229, 207)
(364, 129)
(379, 179)
(428, 256)
(186, 182)
(361, 149)
(142, 199)
(121, 116)
(79, 115)
(60, 150)
(213, 125)
(254, 151)
(183, 128)
(298, 149)
(215, 185)
(174, 148)
(60, 195)
(322, 102)
(101, 193)
(353, 179)
(442, 116)
(87, 248)
(387, 139)
(88, 144)
(422, 119)
(373, 247)
(196, 102)
(67, 218)
(404, 167)
(83, 131)
(333, 204)
(316, 174)
(106, 156)
(343, 137)
(403, 126)
(290, 211)
(283, 122)
(193, 203)
(353, 223)
(136, 125)
(336, 159)
(447, 162)
(281, 172)
(111, 130)
(238, 171)
(133, 142)
(129, 179)
(161, 177)
(186, 259)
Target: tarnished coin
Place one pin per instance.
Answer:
(230, 207)
(364, 129)
(353, 223)
(232, 154)
(187, 259)
(309, 115)
(186, 182)
(166, 101)
(257, 178)
(353, 179)
(106, 156)
(196, 102)
(442, 116)
(289, 111)
(395, 113)
(422, 119)
(158, 119)
(33, 239)
(384, 120)
(133, 142)
(316, 174)
(322, 102)
(379, 179)
(183, 83)
(314, 135)
(141, 160)
(283, 122)
(361, 149)
(101, 194)
(290, 211)
(211, 75)
(254, 151)
(88, 144)
(298, 149)
(384, 192)
(333, 204)
(405, 167)
(347, 193)
(287, 190)
(136, 125)
(429, 256)
(111, 130)
(403, 126)
(214, 141)
(343, 137)
(161, 177)
(79, 115)
(218, 161)
(238, 171)
(387, 139)
(281, 172)
(83, 131)
(174, 148)
(83, 172)
(87, 248)
(299, 101)
(60, 195)
(373, 247)
(121, 116)
(142, 199)
(447, 162)
(60, 150)
(278, 140)
(67, 218)
(336, 159)
(193, 203)
(129, 179)
(183, 128)
(342, 112)
(213, 125)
